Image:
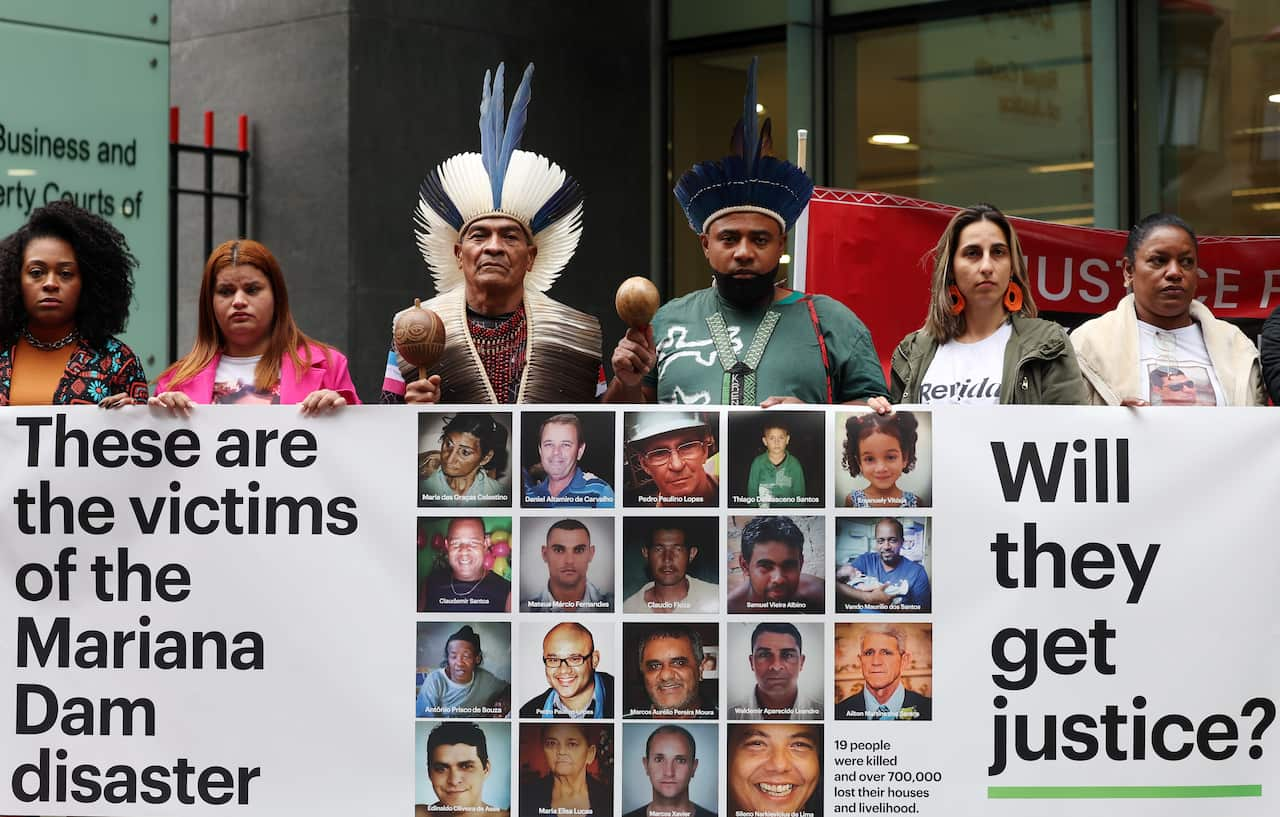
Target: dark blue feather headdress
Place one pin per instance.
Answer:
(500, 180)
(746, 180)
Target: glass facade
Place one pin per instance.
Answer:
(1090, 112)
(1219, 109)
(992, 107)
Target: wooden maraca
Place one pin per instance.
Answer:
(636, 302)
(418, 335)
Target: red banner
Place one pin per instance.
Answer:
(871, 251)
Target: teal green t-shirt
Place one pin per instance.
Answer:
(767, 481)
(688, 369)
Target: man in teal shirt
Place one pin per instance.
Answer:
(747, 339)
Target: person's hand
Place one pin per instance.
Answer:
(115, 401)
(423, 391)
(775, 401)
(322, 401)
(1134, 401)
(634, 356)
(880, 405)
(176, 402)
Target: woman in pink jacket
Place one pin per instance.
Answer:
(248, 348)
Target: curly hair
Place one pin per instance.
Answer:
(901, 425)
(106, 271)
(492, 436)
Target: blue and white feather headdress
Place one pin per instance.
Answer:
(500, 180)
(748, 180)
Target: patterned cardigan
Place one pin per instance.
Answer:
(91, 375)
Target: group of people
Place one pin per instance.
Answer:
(459, 764)
(66, 279)
(671, 661)
(497, 228)
(770, 561)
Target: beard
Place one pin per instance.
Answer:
(745, 291)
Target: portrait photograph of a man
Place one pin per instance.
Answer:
(576, 662)
(670, 564)
(783, 678)
(776, 565)
(774, 769)
(670, 670)
(464, 670)
(462, 768)
(672, 459)
(884, 672)
(567, 459)
(680, 770)
(568, 564)
(883, 565)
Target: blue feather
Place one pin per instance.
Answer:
(750, 119)
(747, 177)
(514, 132)
(486, 114)
(496, 123)
(492, 102)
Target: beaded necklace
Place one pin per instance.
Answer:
(500, 342)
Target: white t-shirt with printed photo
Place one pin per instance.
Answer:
(1186, 376)
(233, 382)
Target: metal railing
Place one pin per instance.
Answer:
(206, 193)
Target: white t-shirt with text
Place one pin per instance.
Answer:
(967, 373)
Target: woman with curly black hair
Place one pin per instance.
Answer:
(66, 279)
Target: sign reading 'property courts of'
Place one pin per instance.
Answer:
(221, 612)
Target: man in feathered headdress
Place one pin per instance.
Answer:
(496, 228)
(747, 339)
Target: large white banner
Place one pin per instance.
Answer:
(970, 612)
(1106, 622)
(203, 612)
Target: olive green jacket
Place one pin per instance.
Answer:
(1039, 366)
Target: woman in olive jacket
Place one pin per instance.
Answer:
(982, 342)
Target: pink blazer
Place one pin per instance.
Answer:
(321, 374)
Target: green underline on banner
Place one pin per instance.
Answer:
(1118, 792)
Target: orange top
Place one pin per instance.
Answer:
(36, 374)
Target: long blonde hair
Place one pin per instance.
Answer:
(941, 324)
(286, 337)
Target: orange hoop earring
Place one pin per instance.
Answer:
(1013, 297)
(957, 299)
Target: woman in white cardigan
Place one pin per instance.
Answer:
(1160, 346)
